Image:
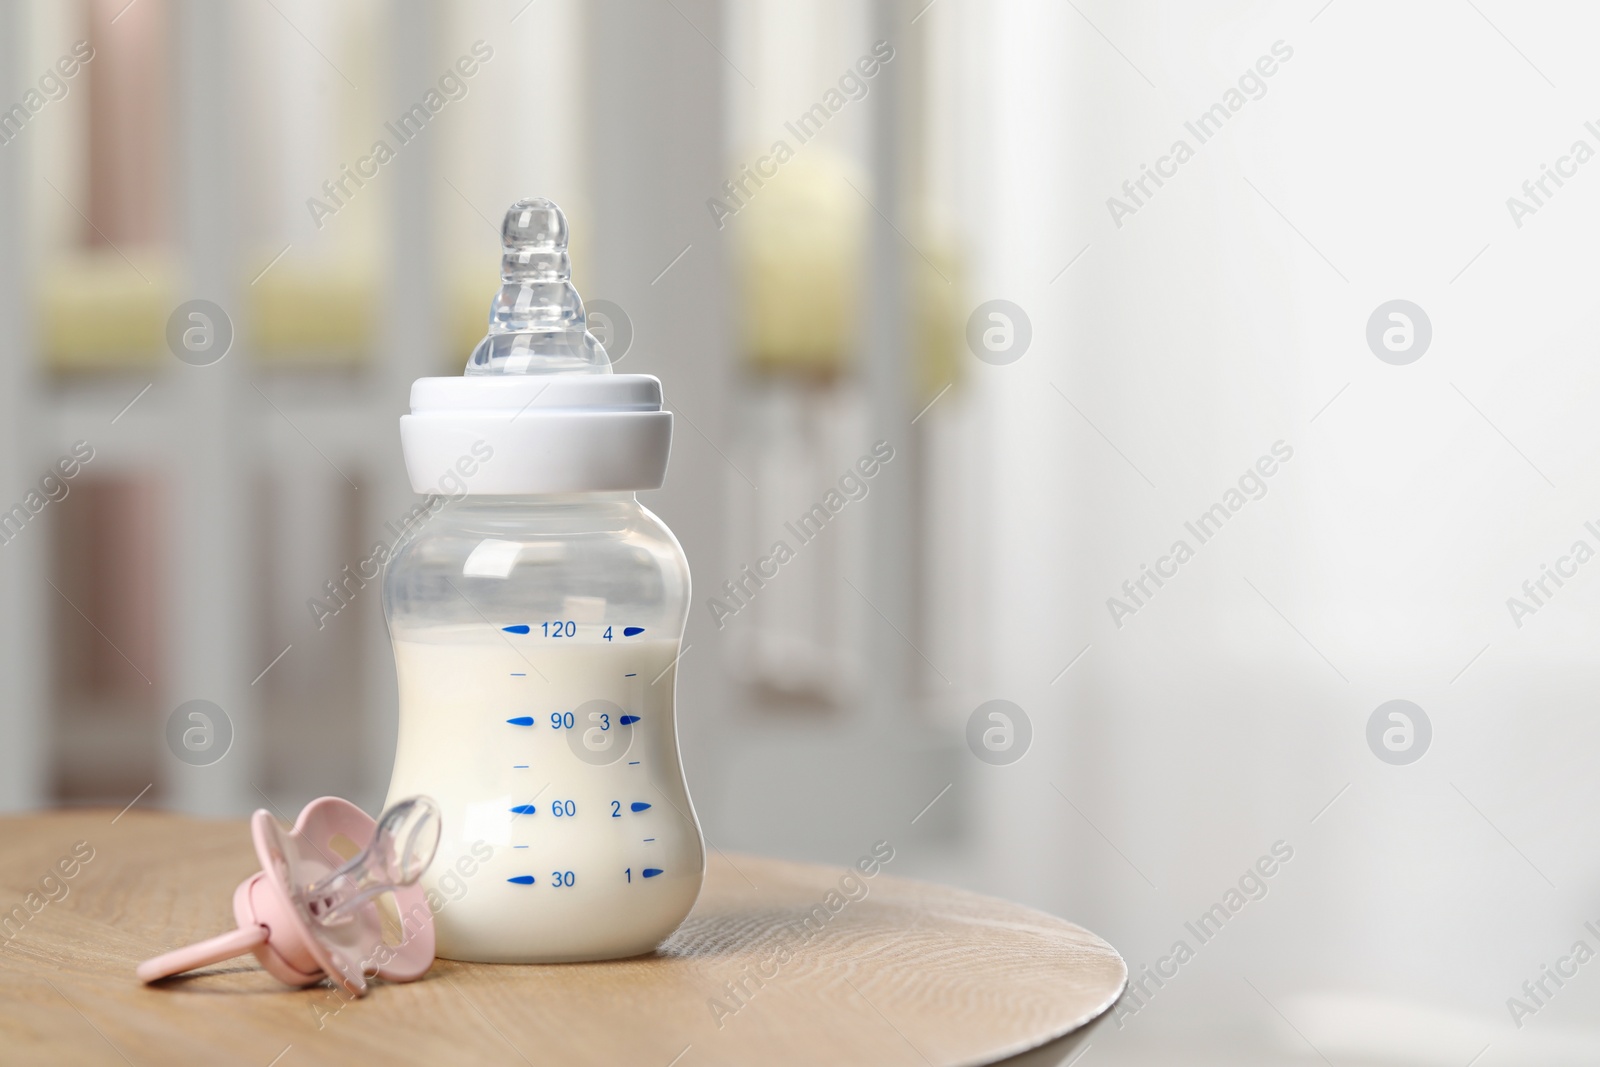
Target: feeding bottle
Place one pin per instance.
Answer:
(537, 614)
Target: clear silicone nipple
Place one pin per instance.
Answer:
(536, 323)
(401, 850)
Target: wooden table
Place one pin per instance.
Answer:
(910, 974)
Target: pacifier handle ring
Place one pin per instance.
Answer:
(202, 953)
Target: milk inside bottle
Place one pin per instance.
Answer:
(537, 612)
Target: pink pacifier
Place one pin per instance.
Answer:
(307, 914)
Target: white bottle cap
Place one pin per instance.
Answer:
(509, 435)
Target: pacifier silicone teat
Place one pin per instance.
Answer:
(537, 323)
(308, 914)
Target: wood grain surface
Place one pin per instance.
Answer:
(907, 973)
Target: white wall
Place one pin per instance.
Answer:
(1194, 337)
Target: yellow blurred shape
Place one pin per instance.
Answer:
(938, 327)
(96, 312)
(314, 311)
(800, 262)
(799, 253)
(470, 288)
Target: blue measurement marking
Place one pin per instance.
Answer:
(519, 628)
(633, 763)
(634, 675)
(628, 720)
(649, 839)
(519, 674)
(521, 720)
(519, 766)
(639, 805)
(523, 809)
(521, 879)
(519, 846)
(651, 872)
(632, 631)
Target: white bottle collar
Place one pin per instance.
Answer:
(506, 435)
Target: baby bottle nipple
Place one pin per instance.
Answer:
(536, 323)
(306, 914)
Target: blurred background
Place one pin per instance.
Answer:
(1169, 320)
